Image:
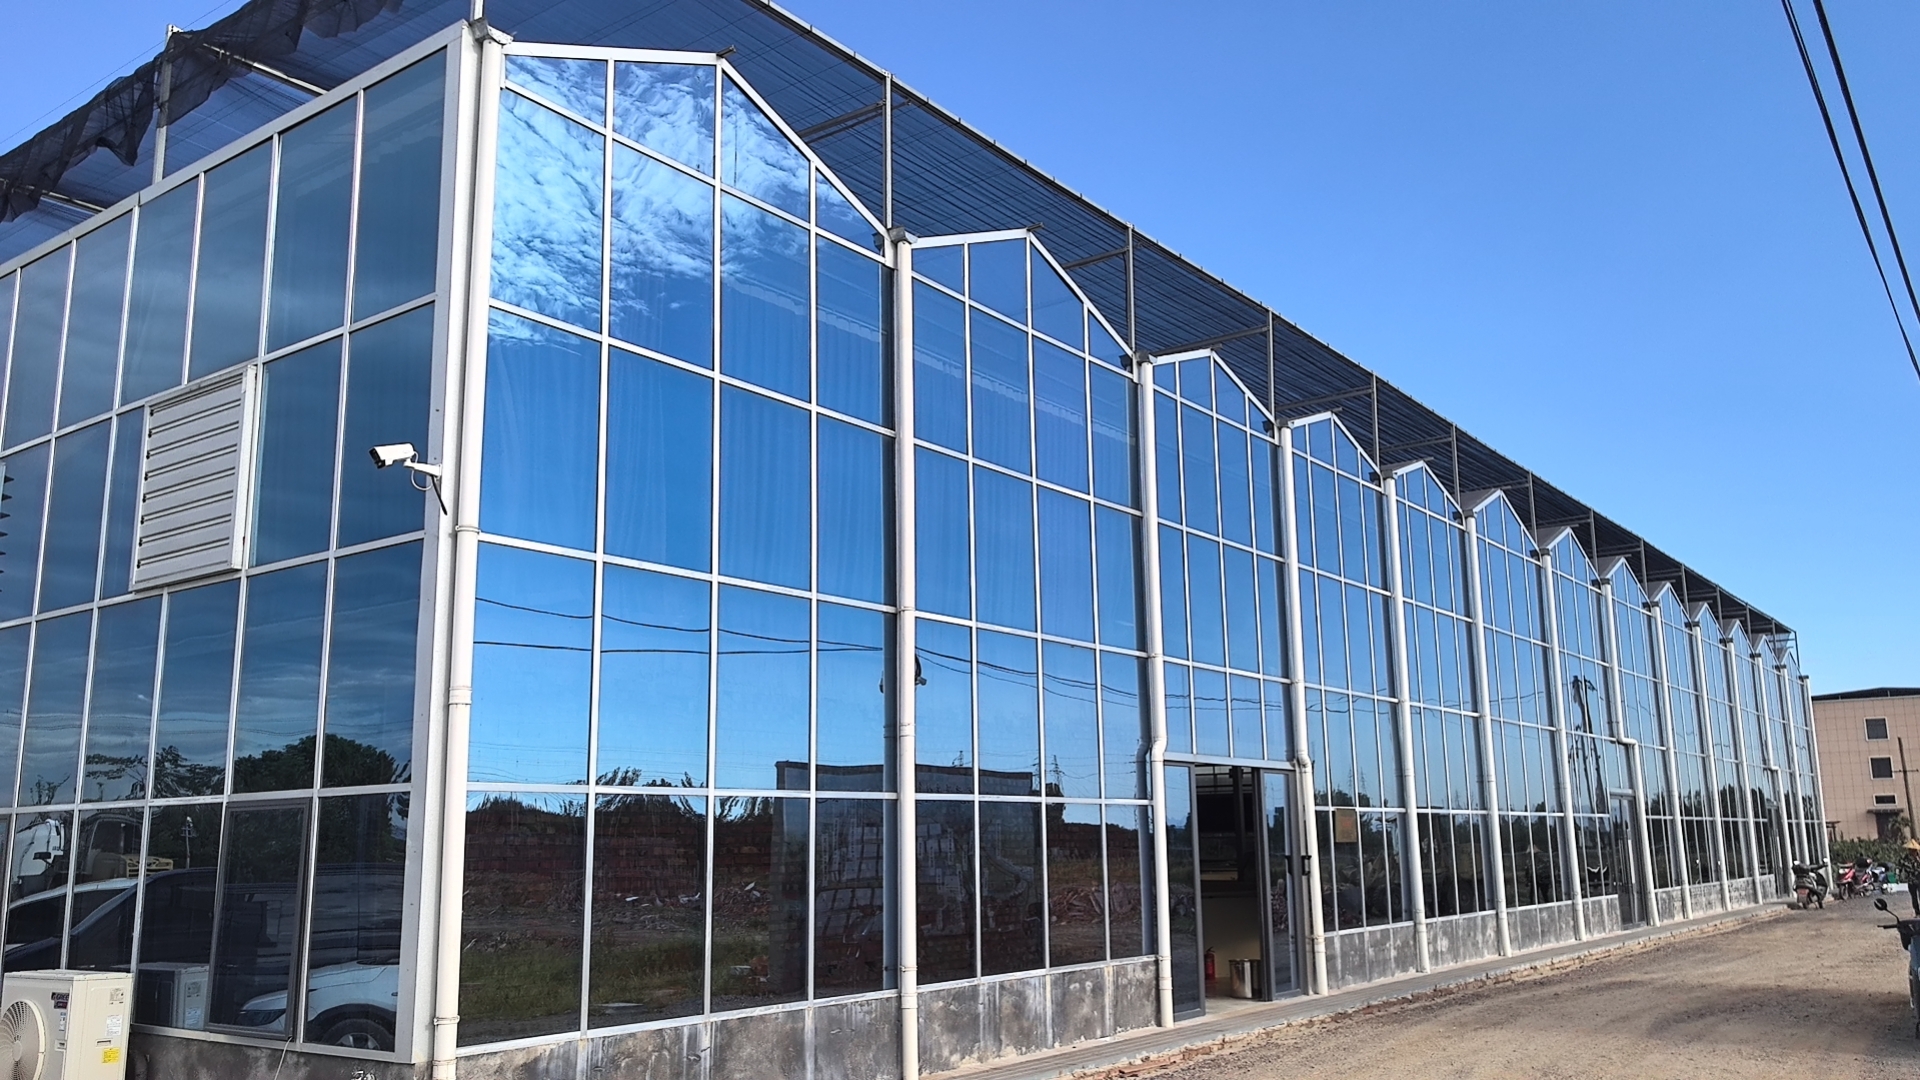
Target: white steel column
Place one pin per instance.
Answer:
(1563, 772)
(1813, 769)
(1297, 694)
(1663, 702)
(1155, 690)
(1482, 691)
(1742, 761)
(466, 353)
(1403, 722)
(1713, 763)
(1636, 757)
(905, 680)
(1794, 811)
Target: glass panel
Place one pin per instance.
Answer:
(1076, 886)
(122, 503)
(577, 85)
(1010, 900)
(120, 707)
(1270, 581)
(1001, 424)
(1183, 901)
(1073, 726)
(259, 923)
(34, 375)
(106, 865)
(943, 707)
(176, 915)
(532, 653)
(73, 518)
(851, 737)
(940, 534)
(834, 212)
(757, 158)
(521, 931)
(1197, 467)
(945, 889)
(300, 412)
(1105, 347)
(1114, 474)
(765, 489)
(759, 902)
(1276, 824)
(50, 760)
(37, 893)
(1246, 717)
(761, 723)
(396, 246)
(939, 368)
(196, 691)
(1179, 710)
(1210, 713)
(765, 306)
(1060, 416)
(1264, 483)
(856, 490)
(389, 378)
(354, 943)
(13, 687)
(1228, 401)
(852, 849)
(1066, 566)
(1166, 449)
(667, 107)
(654, 642)
(946, 265)
(1003, 540)
(1236, 512)
(1203, 583)
(999, 277)
(157, 309)
(1243, 626)
(93, 322)
(1009, 715)
(1173, 591)
(659, 462)
(1129, 881)
(370, 668)
(649, 908)
(852, 366)
(279, 704)
(546, 213)
(1279, 727)
(541, 448)
(1118, 571)
(310, 227)
(662, 288)
(1123, 728)
(1057, 311)
(232, 263)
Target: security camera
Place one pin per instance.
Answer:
(393, 454)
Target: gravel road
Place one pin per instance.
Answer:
(1814, 994)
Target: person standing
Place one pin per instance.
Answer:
(1910, 873)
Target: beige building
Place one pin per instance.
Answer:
(1868, 741)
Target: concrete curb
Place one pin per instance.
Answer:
(1136, 1052)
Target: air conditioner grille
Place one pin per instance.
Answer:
(25, 1038)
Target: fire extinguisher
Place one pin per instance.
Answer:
(1209, 965)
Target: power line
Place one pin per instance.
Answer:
(1846, 173)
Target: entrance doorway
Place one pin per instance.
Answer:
(1622, 852)
(1232, 866)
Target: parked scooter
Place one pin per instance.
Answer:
(1853, 881)
(1809, 886)
(1910, 941)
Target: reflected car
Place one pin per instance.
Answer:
(351, 1005)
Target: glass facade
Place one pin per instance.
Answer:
(215, 779)
(728, 464)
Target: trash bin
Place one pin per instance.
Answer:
(1242, 978)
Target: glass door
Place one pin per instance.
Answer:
(1620, 852)
(1277, 902)
(1183, 896)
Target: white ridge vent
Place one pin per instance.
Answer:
(196, 480)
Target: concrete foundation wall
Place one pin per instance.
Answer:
(1603, 915)
(1668, 903)
(974, 1022)
(169, 1057)
(1707, 899)
(1539, 926)
(1378, 952)
(1462, 939)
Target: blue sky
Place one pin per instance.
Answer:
(1608, 239)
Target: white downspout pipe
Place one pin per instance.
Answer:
(1403, 723)
(906, 666)
(1297, 692)
(1156, 695)
(463, 475)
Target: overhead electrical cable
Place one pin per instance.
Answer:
(1846, 173)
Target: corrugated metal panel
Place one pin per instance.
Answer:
(196, 480)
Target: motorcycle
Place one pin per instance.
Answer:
(1909, 941)
(1809, 886)
(1852, 882)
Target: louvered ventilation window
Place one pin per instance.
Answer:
(195, 480)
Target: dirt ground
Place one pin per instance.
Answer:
(1806, 994)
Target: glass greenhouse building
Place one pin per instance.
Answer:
(828, 600)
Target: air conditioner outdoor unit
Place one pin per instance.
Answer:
(65, 1025)
(171, 995)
